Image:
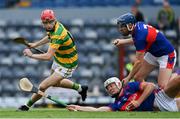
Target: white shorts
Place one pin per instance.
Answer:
(165, 61)
(64, 72)
(164, 102)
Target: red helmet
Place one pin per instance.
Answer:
(47, 15)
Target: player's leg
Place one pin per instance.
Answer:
(144, 71)
(164, 76)
(82, 90)
(67, 83)
(178, 103)
(66, 73)
(167, 96)
(165, 99)
(173, 87)
(147, 66)
(172, 77)
(45, 84)
(166, 65)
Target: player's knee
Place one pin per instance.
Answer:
(162, 86)
(177, 79)
(42, 88)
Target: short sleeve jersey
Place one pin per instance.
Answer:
(62, 41)
(132, 92)
(148, 39)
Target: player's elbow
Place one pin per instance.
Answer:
(49, 57)
(151, 85)
(147, 85)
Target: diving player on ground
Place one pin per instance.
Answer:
(138, 96)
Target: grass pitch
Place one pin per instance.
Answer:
(63, 113)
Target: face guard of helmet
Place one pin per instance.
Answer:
(48, 19)
(125, 23)
(117, 83)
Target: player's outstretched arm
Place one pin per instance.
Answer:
(120, 42)
(88, 109)
(147, 88)
(39, 43)
(46, 56)
(130, 76)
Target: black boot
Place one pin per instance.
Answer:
(83, 93)
(23, 108)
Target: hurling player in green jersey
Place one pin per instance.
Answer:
(65, 58)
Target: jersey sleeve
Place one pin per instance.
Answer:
(57, 37)
(140, 37)
(134, 86)
(56, 43)
(113, 106)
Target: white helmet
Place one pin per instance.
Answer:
(113, 80)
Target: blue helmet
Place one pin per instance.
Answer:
(126, 19)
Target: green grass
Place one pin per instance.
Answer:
(62, 113)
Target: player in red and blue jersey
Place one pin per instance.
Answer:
(138, 96)
(132, 91)
(152, 49)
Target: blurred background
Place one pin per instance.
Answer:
(93, 25)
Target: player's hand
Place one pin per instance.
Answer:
(132, 105)
(73, 107)
(125, 80)
(117, 42)
(32, 45)
(27, 52)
